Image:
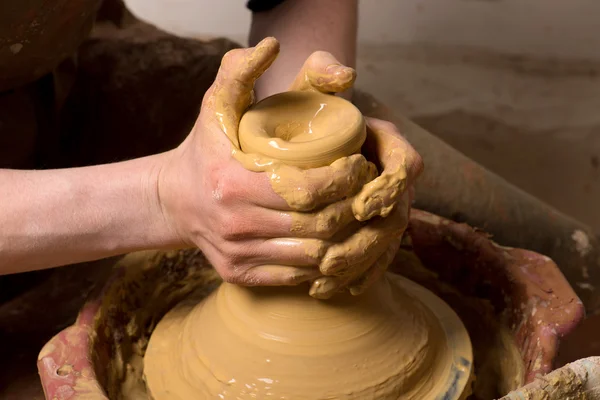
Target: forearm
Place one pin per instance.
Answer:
(303, 27)
(57, 217)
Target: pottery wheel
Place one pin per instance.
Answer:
(395, 341)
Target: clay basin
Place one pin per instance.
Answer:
(515, 303)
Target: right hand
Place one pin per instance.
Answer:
(250, 234)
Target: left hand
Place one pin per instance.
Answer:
(383, 205)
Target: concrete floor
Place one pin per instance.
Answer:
(533, 121)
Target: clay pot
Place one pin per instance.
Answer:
(494, 289)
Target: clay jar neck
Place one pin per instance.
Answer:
(302, 129)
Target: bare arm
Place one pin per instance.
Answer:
(303, 27)
(57, 217)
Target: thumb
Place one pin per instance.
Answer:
(232, 91)
(324, 73)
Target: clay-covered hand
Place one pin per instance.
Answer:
(248, 232)
(384, 207)
(362, 257)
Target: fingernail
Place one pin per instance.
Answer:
(332, 67)
(265, 41)
(323, 288)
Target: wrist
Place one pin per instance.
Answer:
(160, 225)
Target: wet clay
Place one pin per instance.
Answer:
(301, 129)
(241, 343)
(288, 133)
(395, 341)
(292, 132)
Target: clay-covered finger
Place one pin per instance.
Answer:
(357, 253)
(236, 268)
(294, 252)
(243, 223)
(324, 73)
(401, 165)
(309, 189)
(325, 287)
(325, 223)
(232, 91)
(376, 271)
(276, 275)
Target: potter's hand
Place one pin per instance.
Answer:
(322, 72)
(249, 233)
(384, 202)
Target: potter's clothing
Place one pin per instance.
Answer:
(263, 5)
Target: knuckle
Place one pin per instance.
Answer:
(334, 265)
(234, 278)
(228, 272)
(245, 278)
(230, 56)
(315, 58)
(293, 277)
(417, 165)
(232, 255)
(303, 199)
(223, 187)
(207, 98)
(238, 275)
(357, 161)
(317, 249)
(326, 225)
(229, 227)
(385, 126)
(372, 173)
(227, 192)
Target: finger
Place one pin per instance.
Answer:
(326, 223)
(276, 275)
(401, 165)
(306, 190)
(241, 222)
(348, 261)
(327, 286)
(324, 73)
(258, 223)
(293, 252)
(257, 275)
(356, 254)
(377, 270)
(232, 91)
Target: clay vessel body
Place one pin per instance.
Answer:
(530, 298)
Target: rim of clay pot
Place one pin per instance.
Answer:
(535, 300)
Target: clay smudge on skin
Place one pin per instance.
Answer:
(230, 102)
(357, 255)
(336, 77)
